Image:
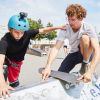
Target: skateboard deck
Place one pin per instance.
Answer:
(67, 77)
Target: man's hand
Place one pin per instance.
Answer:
(86, 77)
(4, 90)
(46, 72)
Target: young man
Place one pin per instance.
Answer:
(83, 41)
(13, 47)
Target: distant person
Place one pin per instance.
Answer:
(13, 47)
(66, 47)
(83, 41)
(30, 46)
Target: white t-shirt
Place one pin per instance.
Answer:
(74, 37)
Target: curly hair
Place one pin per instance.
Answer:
(76, 9)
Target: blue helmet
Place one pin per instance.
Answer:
(19, 22)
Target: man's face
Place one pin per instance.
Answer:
(17, 34)
(74, 22)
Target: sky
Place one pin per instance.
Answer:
(49, 10)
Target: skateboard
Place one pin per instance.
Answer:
(68, 78)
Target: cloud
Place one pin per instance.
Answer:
(94, 3)
(47, 10)
(35, 8)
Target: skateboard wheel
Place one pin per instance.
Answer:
(67, 86)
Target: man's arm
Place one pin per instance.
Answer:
(51, 58)
(54, 52)
(49, 29)
(96, 55)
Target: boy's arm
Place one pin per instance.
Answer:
(49, 29)
(2, 57)
(4, 87)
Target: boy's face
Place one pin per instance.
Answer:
(17, 34)
(74, 22)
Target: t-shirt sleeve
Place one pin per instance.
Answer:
(32, 33)
(3, 47)
(90, 31)
(61, 35)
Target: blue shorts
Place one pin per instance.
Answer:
(70, 61)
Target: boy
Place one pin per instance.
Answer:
(13, 47)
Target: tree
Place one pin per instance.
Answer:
(49, 24)
(51, 35)
(37, 25)
(33, 24)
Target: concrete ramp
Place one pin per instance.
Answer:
(36, 51)
(53, 89)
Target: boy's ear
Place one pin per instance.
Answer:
(10, 30)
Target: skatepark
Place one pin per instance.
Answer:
(32, 87)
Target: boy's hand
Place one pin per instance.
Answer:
(45, 73)
(4, 90)
(63, 27)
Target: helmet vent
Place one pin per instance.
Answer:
(23, 15)
(19, 25)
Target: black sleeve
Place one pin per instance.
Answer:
(3, 47)
(32, 33)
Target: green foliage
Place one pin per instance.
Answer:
(37, 25)
(49, 24)
(51, 35)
